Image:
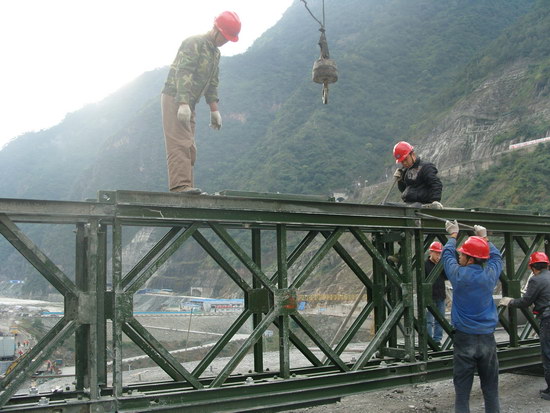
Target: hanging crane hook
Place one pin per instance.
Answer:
(324, 69)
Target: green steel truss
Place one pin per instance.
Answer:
(394, 295)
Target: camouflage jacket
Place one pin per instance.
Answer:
(194, 72)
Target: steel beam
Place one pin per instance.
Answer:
(397, 296)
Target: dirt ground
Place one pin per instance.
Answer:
(518, 394)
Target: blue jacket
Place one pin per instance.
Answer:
(473, 311)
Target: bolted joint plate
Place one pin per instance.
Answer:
(122, 302)
(258, 301)
(286, 301)
(87, 307)
(407, 291)
(514, 288)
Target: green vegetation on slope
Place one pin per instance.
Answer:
(518, 181)
(392, 56)
(525, 40)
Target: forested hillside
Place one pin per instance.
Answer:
(459, 79)
(393, 58)
(502, 96)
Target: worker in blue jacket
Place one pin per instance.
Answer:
(474, 316)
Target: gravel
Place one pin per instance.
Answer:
(519, 393)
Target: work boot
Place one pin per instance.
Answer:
(187, 190)
(545, 394)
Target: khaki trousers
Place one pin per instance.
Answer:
(181, 151)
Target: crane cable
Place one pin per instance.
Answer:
(312, 15)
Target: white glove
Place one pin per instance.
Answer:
(451, 227)
(184, 113)
(504, 301)
(480, 231)
(398, 174)
(215, 120)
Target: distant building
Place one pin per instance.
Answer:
(212, 305)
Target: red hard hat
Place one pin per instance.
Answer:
(229, 25)
(538, 257)
(475, 247)
(401, 150)
(436, 246)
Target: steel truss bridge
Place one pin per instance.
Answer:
(300, 232)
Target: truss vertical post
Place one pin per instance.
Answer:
(82, 333)
(93, 312)
(257, 317)
(284, 319)
(101, 289)
(394, 291)
(510, 273)
(407, 292)
(117, 309)
(423, 295)
(378, 287)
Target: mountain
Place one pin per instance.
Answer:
(393, 57)
(500, 97)
(460, 79)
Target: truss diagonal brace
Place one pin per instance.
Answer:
(166, 254)
(66, 328)
(376, 256)
(36, 257)
(325, 348)
(216, 256)
(325, 248)
(385, 329)
(157, 352)
(241, 255)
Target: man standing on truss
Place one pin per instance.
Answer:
(193, 74)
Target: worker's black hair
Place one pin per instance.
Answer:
(539, 266)
(478, 261)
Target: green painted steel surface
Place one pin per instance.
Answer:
(384, 345)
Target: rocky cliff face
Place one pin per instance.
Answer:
(475, 129)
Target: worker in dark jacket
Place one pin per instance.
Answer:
(538, 292)
(417, 180)
(438, 292)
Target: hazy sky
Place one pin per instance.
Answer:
(58, 55)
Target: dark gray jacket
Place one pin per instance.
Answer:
(538, 292)
(420, 183)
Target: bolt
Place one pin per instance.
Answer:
(44, 401)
